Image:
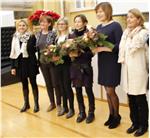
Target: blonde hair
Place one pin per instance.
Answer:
(107, 8)
(22, 21)
(138, 15)
(65, 20)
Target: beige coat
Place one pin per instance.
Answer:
(133, 55)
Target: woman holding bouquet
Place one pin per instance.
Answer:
(45, 38)
(108, 67)
(134, 73)
(24, 62)
(82, 72)
(64, 70)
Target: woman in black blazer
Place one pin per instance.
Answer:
(24, 62)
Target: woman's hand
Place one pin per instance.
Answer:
(101, 49)
(13, 72)
(95, 50)
(73, 54)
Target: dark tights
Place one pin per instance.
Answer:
(113, 100)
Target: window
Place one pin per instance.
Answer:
(79, 4)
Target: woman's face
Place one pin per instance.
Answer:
(132, 21)
(44, 25)
(22, 27)
(101, 16)
(62, 26)
(79, 23)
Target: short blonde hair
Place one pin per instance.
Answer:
(138, 15)
(107, 8)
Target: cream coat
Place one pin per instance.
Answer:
(133, 55)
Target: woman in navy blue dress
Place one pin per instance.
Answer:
(108, 68)
(82, 72)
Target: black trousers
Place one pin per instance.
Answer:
(65, 85)
(138, 110)
(51, 79)
(34, 86)
(91, 99)
(32, 82)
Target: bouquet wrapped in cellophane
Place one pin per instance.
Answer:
(74, 47)
(51, 54)
(93, 39)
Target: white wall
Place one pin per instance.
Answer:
(7, 19)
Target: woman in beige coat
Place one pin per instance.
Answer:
(134, 74)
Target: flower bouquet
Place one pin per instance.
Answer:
(93, 39)
(51, 54)
(71, 47)
(90, 39)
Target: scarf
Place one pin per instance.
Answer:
(16, 48)
(81, 32)
(126, 41)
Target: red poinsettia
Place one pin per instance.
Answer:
(36, 16)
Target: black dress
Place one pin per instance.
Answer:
(108, 69)
(27, 67)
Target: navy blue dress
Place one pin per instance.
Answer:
(109, 71)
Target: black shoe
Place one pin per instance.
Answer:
(132, 129)
(81, 117)
(25, 108)
(115, 122)
(90, 117)
(70, 114)
(140, 131)
(108, 122)
(36, 108)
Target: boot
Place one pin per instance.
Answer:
(132, 129)
(141, 131)
(115, 122)
(81, 116)
(108, 122)
(26, 101)
(70, 113)
(63, 111)
(36, 99)
(51, 107)
(90, 117)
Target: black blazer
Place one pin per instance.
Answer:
(27, 67)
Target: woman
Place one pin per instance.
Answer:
(108, 68)
(44, 38)
(24, 62)
(134, 73)
(64, 70)
(82, 72)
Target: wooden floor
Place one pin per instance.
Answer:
(43, 124)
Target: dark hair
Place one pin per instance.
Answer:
(49, 20)
(107, 8)
(83, 18)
